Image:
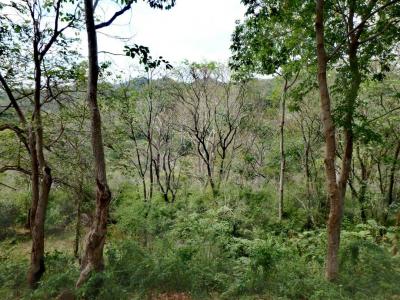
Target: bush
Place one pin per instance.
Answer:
(60, 210)
(224, 248)
(9, 213)
(61, 274)
(12, 278)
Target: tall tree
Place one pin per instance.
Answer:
(92, 259)
(276, 34)
(44, 31)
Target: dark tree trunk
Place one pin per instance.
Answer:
(282, 152)
(92, 259)
(390, 198)
(362, 194)
(211, 180)
(221, 172)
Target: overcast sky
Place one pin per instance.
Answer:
(196, 30)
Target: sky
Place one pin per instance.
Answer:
(196, 30)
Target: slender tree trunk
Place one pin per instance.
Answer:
(141, 168)
(77, 229)
(221, 168)
(211, 180)
(392, 175)
(337, 191)
(380, 177)
(390, 198)
(40, 187)
(307, 170)
(282, 152)
(37, 267)
(78, 217)
(92, 259)
(310, 217)
(335, 213)
(144, 188)
(34, 177)
(151, 173)
(350, 102)
(362, 194)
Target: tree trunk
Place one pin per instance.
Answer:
(151, 174)
(211, 180)
(282, 152)
(221, 168)
(34, 177)
(37, 267)
(40, 187)
(307, 170)
(337, 198)
(335, 213)
(362, 194)
(78, 217)
(92, 259)
(390, 199)
(350, 102)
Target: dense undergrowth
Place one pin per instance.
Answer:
(224, 248)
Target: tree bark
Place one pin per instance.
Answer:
(40, 187)
(392, 175)
(282, 152)
(363, 187)
(211, 180)
(337, 191)
(350, 102)
(336, 205)
(79, 196)
(92, 259)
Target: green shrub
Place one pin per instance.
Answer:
(61, 274)
(12, 278)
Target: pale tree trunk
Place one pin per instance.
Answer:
(336, 205)
(92, 259)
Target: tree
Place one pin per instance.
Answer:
(92, 259)
(355, 37)
(45, 36)
(277, 35)
(212, 110)
(258, 53)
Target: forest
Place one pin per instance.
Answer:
(274, 175)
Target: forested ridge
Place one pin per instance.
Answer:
(273, 176)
